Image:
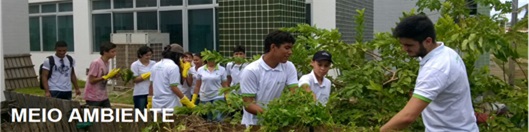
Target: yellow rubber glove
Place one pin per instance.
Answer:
(194, 98)
(144, 76)
(185, 68)
(226, 97)
(149, 102)
(112, 73)
(187, 103)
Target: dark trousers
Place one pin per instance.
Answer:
(140, 101)
(104, 103)
(61, 95)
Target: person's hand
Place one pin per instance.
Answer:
(187, 103)
(194, 98)
(185, 68)
(48, 94)
(149, 102)
(112, 73)
(77, 92)
(145, 76)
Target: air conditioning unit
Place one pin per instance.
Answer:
(128, 43)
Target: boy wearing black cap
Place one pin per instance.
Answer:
(320, 86)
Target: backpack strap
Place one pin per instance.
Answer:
(51, 60)
(70, 59)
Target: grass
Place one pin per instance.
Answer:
(123, 97)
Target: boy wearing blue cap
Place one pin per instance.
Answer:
(315, 80)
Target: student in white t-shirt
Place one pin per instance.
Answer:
(187, 88)
(264, 80)
(141, 69)
(166, 80)
(210, 79)
(442, 91)
(198, 62)
(315, 80)
(234, 69)
(58, 76)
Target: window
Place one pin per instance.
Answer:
(123, 21)
(48, 28)
(34, 9)
(49, 8)
(171, 22)
(165, 16)
(171, 2)
(123, 4)
(65, 30)
(49, 33)
(147, 20)
(195, 2)
(100, 4)
(34, 33)
(101, 28)
(145, 3)
(63, 7)
(200, 30)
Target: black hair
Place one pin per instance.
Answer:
(199, 55)
(239, 48)
(60, 44)
(277, 38)
(106, 47)
(189, 54)
(144, 50)
(175, 56)
(416, 27)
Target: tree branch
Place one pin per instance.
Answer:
(393, 78)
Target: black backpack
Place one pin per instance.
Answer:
(51, 60)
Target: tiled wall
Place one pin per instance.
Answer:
(345, 13)
(247, 22)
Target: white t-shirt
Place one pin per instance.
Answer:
(234, 70)
(141, 88)
(193, 71)
(443, 82)
(265, 83)
(211, 82)
(164, 75)
(322, 91)
(60, 75)
(187, 89)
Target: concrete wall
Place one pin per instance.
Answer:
(2, 78)
(324, 13)
(15, 26)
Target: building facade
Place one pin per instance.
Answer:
(195, 24)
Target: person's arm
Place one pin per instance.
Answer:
(136, 72)
(150, 89)
(189, 78)
(94, 79)
(74, 82)
(430, 82)
(44, 81)
(304, 82)
(224, 81)
(174, 81)
(292, 78)
(252, 106)
(406, 116)
(228, 73)
(249, 88)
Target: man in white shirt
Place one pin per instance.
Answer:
(442, 91)
(315, 80)
(265, 79)
(59, 75)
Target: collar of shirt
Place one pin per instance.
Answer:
(313, 75)
(432, 53)
(263, 64)
(206, 67)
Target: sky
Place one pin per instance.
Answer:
(508, 15)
